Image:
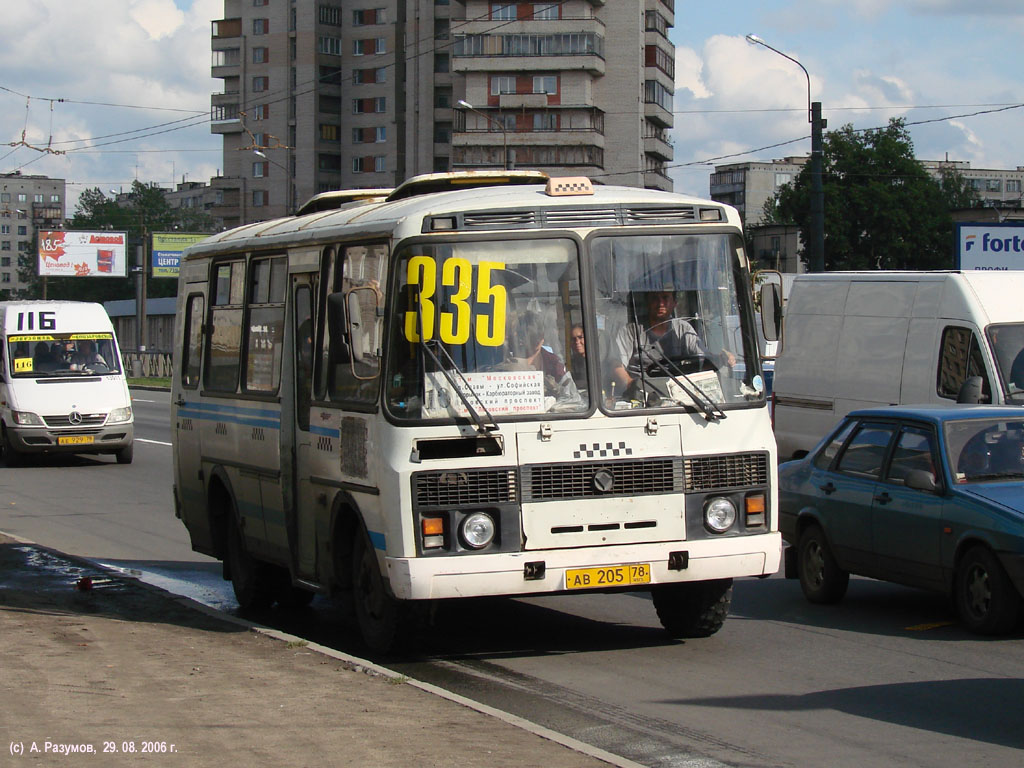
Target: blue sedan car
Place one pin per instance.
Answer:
(923, 496)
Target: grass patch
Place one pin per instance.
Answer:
(153, 382)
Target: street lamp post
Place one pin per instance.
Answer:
(816, 242)
(492, 121)
(287, 177)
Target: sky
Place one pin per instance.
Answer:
(104, 92)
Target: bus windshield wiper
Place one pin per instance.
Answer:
(482, 426)
(708, 407)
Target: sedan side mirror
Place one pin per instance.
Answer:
(921, 480)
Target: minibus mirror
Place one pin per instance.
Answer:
(771, 311)
(970, 390)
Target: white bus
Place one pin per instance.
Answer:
(469, 386)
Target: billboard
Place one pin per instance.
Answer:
(166, 250)
(989, 246)
(82, 254)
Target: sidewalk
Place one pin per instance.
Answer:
(153, 679)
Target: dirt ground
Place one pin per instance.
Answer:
(124, 674)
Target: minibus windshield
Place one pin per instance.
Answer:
(37, 355)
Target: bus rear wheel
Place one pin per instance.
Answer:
(693, 608)
(385, 622)
(249, 577)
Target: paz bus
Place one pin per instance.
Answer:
(461, 387)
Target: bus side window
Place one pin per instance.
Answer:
(354, 320)
(192, 352)
(960, 358)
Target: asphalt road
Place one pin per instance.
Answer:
(885, 678)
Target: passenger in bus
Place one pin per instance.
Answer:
(86, 356)
(663, 338)
(42, 359)
(529, 348)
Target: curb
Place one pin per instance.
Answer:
(354, 662)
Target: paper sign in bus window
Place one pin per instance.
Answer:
(502, 392)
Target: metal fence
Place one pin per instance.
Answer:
(146, 365)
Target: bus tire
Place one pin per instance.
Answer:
(12, 456)
(693, 608)
(126, 454)
(249, 577)
(384, 622)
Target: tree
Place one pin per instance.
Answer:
(140, 213)
(882, 208)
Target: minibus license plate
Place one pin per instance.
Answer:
(75, 440)
(609, 576)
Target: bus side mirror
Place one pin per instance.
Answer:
(771, 311)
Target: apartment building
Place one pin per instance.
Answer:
(333, 94)
(27, 204)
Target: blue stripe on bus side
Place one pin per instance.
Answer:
(249, 417)
(325, 431)
(378, 540)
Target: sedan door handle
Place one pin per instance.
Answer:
(883, 498)
(828, 488)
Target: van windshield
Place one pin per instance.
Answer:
(37, 355)
(1007, 342)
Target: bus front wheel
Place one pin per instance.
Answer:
(249, 578)
(382, 619)
(693, 608)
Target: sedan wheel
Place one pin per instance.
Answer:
(986, 600)
(821, 578)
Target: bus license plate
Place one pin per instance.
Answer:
(609, 576)
(75, 440)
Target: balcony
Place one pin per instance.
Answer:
(225, 28)
(657, 147)
(529, 52)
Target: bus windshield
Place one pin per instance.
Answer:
(37, 355)
(674, 318)
(496, 320)
(1008, 345)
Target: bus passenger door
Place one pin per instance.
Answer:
(302, 522)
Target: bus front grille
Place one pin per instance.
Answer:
(715, 473)
(465, 487)
(602, 479)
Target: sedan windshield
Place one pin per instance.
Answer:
(1008, 345)
(985, 450)
(486, 326)
(38, 355)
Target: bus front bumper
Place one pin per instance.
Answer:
(516, 573)
(106, 439)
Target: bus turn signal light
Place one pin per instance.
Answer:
(433, 532)
(755, 509)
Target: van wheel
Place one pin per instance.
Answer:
(249, 577)
(12, 456)
(693, 609)
(385, 623)
(821, 578)
(126, 454)
(985, 597)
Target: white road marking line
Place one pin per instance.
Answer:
(154, 442)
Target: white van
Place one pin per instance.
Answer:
(861, 339)
(62, 387)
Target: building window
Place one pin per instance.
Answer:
(369, 16)
(545, 121)
(260, 170)
(261, 112)
(443, 98)
(329, 45)
(441, 63)
(1013, 185)
(329, 162)
(545, 84)
(56, 198)
(381, 134)
(260, 83)
(503, 84)
(442, 29)
(505, 11)
(257, 3)
(781, 179)
(5, 197)
(442, 133)
(260, 198)
(5, 261)
(656, 93)
(260, 55)
(378, 164)
(7, 277)
(546, 11)
(364, 106)
(22, 197)
(994, 185)
(329, 132)
(261, 26)
(5, 229)
(330, 15)
(5, 245)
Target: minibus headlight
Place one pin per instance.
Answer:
(26, 419)
(719, 514)
(120, 415)
(477, 530)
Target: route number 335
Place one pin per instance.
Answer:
(451, 321)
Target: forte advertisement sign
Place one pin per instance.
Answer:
(989, 246)
(82, 254)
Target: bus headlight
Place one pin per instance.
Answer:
(477, 530)
(26, 419)
(719, 514)
(120, 415)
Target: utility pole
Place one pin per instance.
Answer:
(817, 244)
